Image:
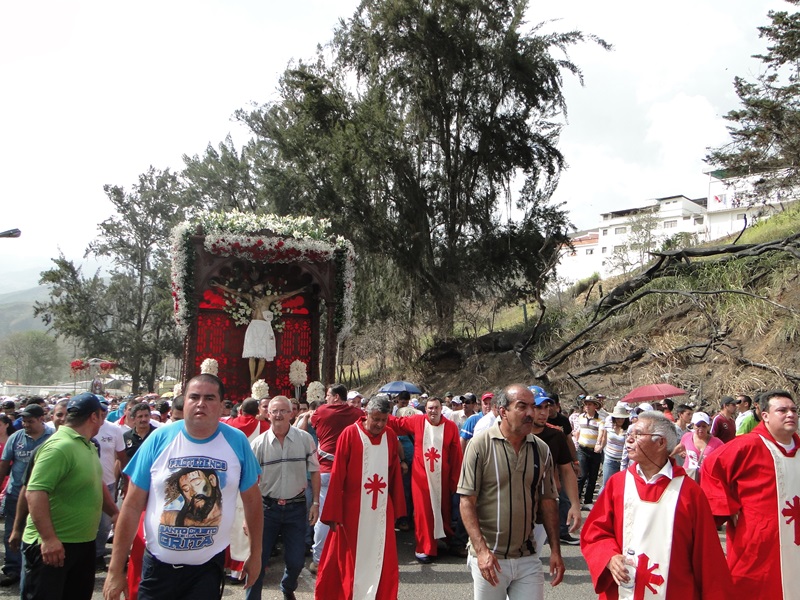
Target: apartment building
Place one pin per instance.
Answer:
(618, 243)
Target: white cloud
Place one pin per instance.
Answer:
(96, 91)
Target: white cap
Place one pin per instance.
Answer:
(353, 394)
(645, 406)
(700, 417)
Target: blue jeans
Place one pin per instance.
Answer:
(309, 526)
(162, 581)
(563, 512)
(288, 521)
(104, 528)
(590, 462)
(610, 466)
(13, 565)
(460, 535)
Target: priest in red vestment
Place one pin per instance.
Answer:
(753, 484)
(365, 496)
(434, 474)
(651, 533)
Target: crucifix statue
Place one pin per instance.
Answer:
(259, 339)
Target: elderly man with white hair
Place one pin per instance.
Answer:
(651, 530)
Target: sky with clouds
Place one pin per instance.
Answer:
(95, 92)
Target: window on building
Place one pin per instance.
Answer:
(603, 250)
(590, 251)
(741, 216)
(619, 248)
(619, 230)
(605, 231)
(671, 224)
(698, 220)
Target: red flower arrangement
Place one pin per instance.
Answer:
(78, 365)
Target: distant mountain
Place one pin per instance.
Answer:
(16, 310)
(22, 274)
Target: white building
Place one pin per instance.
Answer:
(614, 246)
(583, 259)
(730, 205)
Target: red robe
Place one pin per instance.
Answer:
(739, 478)
(249, 425)
(343, 506)
(451, 471)
(697, 564)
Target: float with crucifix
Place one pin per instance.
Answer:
(268, 297)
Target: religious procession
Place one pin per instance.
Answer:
(255, 467)
(201, 496)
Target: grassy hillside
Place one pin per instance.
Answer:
(711, 325)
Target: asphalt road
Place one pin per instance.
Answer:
(447, 578)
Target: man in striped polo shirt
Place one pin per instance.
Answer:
(505, 472)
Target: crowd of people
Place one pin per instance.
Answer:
(200, 491)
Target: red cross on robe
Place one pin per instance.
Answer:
(646, 578)
(375, 486)
(792, 513)
(432, 455)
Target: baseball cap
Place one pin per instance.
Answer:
(457, 400)
(540, 396)
(700, 417)
(353, 394)
(83, 404)
(448, 395)
(32, 410)
(469, 398)
(644, 406)
(487, 396)
(727, 400)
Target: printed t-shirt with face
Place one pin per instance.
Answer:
(192, 487)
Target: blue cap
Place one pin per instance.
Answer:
(540, 396)
(84, 404)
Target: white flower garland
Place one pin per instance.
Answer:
(298, 374)
(181, 275)
(260, 389)
(210, 367)
(233, 234)
(315, 391)
(177, 389)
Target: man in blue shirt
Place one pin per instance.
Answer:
(17, 453)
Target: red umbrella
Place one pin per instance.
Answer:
(654, 391)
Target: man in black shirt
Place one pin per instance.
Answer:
(139, 422)
(562, 450)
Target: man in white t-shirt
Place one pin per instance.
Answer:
(187, 475)
(112, 449)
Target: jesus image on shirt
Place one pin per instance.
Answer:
(197, 493)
